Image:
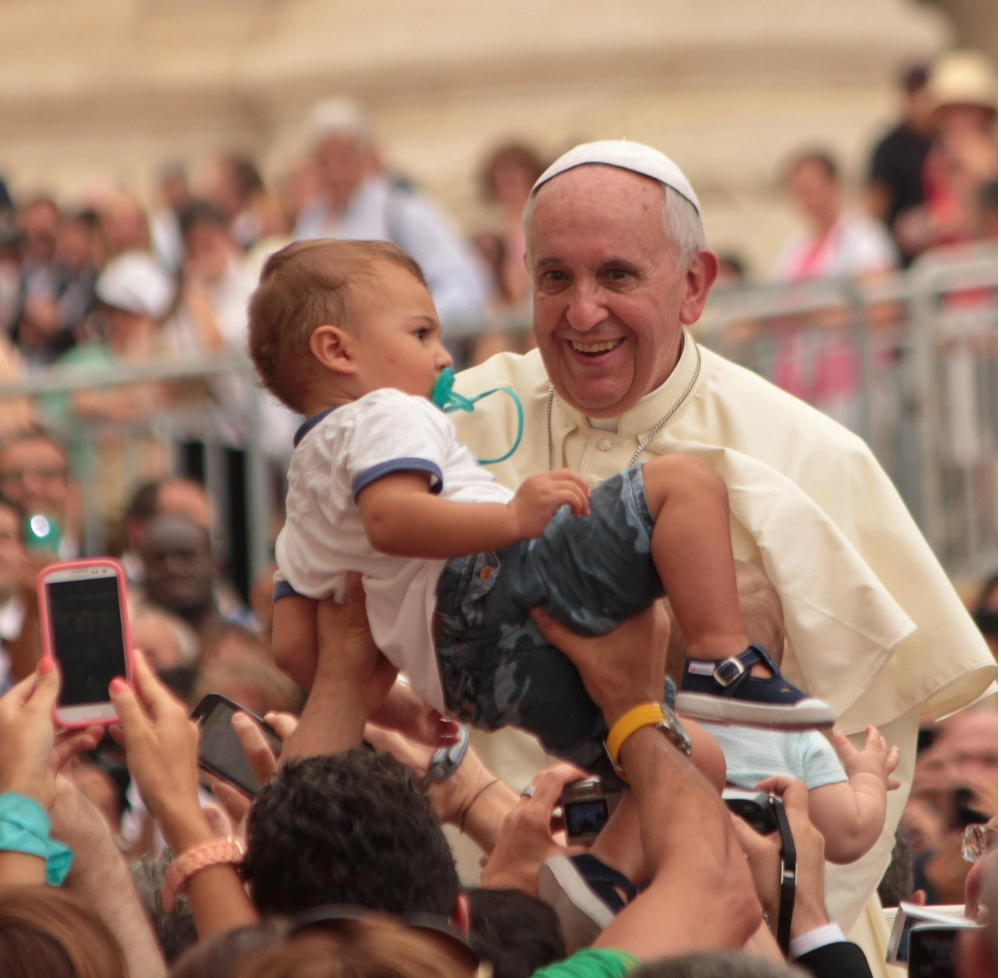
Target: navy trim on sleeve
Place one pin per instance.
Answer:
(283, 589)
(309, 424)
(370, 475)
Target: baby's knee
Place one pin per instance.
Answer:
(683, 476)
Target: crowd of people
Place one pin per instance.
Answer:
(799, 591)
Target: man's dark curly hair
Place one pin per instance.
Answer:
(348, 828)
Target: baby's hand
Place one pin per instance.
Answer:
(539, 496)
(874, 758)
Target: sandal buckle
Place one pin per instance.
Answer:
(729, 671)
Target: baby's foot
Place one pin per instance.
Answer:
(748, 689)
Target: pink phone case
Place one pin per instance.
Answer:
(43, 606)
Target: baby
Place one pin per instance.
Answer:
(847, 787)
(346, 333)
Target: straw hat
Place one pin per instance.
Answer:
(963, 78)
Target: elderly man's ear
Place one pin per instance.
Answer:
(333, 347)
(702, 272)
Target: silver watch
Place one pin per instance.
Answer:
(673, 730)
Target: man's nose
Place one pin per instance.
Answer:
(585, 308)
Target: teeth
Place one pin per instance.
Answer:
(594, 347)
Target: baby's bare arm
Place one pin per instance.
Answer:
(403, 518)
(850, 815)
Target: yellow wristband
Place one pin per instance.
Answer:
(644, 715)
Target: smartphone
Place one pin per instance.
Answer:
(910, 918)
(219, 751)
(931, 951)
(85, 629)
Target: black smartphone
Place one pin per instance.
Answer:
(931, 951)
(219, 751)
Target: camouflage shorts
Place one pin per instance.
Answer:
(589, 572)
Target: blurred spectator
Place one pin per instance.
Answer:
(134, 294)
(165, 230)
(93, 778)
(173, 494)
(46, 931)
(40, 330)
(16, 412)
(813, 361)
(167, 641)
(507, 178)
(732, 270)
(896, 170)
(10, 259)
(180, 575)
(240, 667)
(955, 785)
(963, 90)
(233, 184)
(124, 225)
(836, 241)
(80, 253)
(358, 199)
(216, 287)
(34, 474)
(13, 564)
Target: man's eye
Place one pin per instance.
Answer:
(617, 274)
(552, 276)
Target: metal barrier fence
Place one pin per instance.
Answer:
(909, 363)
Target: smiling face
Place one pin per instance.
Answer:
(393, 336)
(610, 297)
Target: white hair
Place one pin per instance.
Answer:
(678, 217)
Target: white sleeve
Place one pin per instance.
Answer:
(396, 433)
(869, 248)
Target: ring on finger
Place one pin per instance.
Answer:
(528, 792)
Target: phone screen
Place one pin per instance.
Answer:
(87, 640)
(931, 952)
(219, 749)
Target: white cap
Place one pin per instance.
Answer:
(136, 282)
(627, 156)
(335, 117)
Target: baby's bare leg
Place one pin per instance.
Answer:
(693, 554)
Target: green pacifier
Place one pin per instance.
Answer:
(445, 398)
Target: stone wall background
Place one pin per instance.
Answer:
(100, 91)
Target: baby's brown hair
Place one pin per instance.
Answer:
(305, 285)
(760, 609)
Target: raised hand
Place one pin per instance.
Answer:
(30, 751)
(875, 757)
